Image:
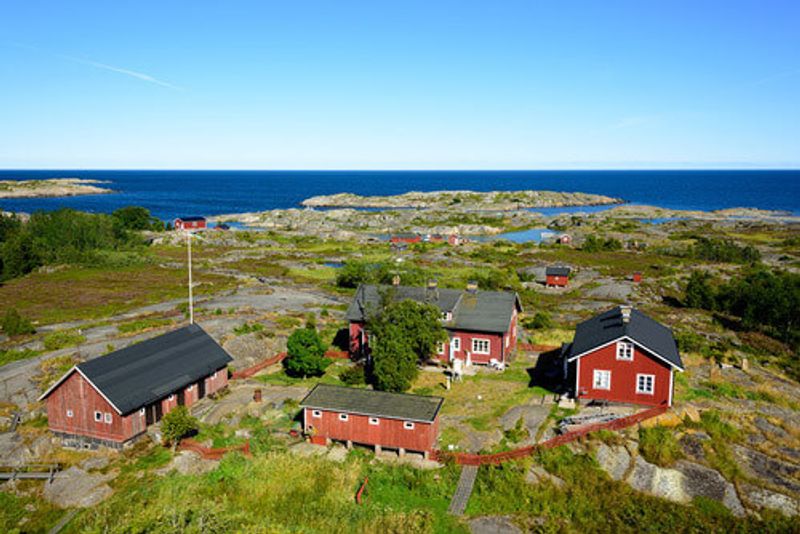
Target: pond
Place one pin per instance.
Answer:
(531, 235)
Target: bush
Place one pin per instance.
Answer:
(63, 339)
(699, 293)
(15, 325)
(305, 354)
(540, 321)
(353, 376)
(137, 218)
(592, 243)
(177, 424)
(248, 328)
(658, 446)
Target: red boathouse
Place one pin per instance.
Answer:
(405, 238)
(623, 355)
(376, 418)
(112, 399)
(482, 325)
(190, 223)
(556, 276)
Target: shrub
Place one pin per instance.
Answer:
(62, 339)
(248, 328)
(540, 321)
(177, 424)
(353, 376)
(699, 293)
(15, 325)
(658, 445)
(305, 354)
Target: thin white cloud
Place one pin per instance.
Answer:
(132, 73)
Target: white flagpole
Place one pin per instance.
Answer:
(191, 306)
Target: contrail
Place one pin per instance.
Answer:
(132, 73)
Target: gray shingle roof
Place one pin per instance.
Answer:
(556, 271)
(482, 311)
(643, 330)
(375, 403)
(145, 372)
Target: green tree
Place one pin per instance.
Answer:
(305, 354)
(136, 218)
(177, 424)
(14, 324)
(352, 274)
(699, 292)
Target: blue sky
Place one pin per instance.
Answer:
(376, 84)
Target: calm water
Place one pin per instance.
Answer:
(174, 193)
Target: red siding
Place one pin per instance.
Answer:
(195, 225)
(623, 376)
(388, 433)
(560, 281)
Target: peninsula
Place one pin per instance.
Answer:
(54, 187)
(465, 200)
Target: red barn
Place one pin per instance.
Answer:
(376, 418)
(623, 355)
(556, 276)
(482, 325)
(405, 238)
(190, 223)
(112, 399)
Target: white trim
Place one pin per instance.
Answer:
(577, 378)
(344, 417)
(622, 347)
(372, 414)
(482, 339)
(316, 413)
(70, 413)
(594, 379)
(171, 397)
(374, 421)
(98, 416)
(408, 425)
(640, 391)
(455, 344)
(669, 399)
(142, 412)
(440, 349)
(66, 375)
(654, 353)
(108, 418)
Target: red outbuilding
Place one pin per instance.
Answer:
(405, 238)
(637, 277)
(556, 276)
(376, 418)
(112, 399)
(190, 223)
(623, 355)
(482, 325)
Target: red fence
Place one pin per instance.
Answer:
(531, 347)
(250, 371)
(360, 493)
(207, 453)
(500, 457)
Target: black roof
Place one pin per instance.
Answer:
(556, 271)
(641, 329)
(479, 311)
(192, 218)
(145, 372)
(376, 403)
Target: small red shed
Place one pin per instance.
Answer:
(112, 400)
(405, 238)
(376, 418)
(637, 277)
(556, 276)
(190, 223)
(623, 355)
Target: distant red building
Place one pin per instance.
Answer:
(482, 325)
(556, 276)
(637, 277)
(112, 399)
(622, 355)
(376, 418)
(405, 238)
(190, 223)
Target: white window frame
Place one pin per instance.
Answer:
(640, 390)
(171, 398)
(98, 416)
(70, 413)
(316, 413)
(374, 421)
(190, 388)
(142, 412)
(408, 425)
(507, 338)
(214, 376)
(441, 348)
(455, 344)
(601, 372)
(344, 417)
(481, 340)
(108, 418)
(625, 351)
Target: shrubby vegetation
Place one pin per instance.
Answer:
(717, 250)
(592, 243)
(540, 321)
(177, 424)
(15, 325)
(305, 354)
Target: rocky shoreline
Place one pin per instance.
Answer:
(53, 187)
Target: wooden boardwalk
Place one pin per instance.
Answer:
(464, 489)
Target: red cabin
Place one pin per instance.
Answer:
(405, 238)
(637, 277)
(623, 355)
(190, 223)
(112, 399)
(482, 325)
(556, 276)
(376, 418)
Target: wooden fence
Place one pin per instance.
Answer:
(208, 453)
(278, 358)
(532, 347)
(462, 458)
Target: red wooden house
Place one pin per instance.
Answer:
(556, 276)
(482, 325)
(623, 355)
(405, 238)
(376, 418)
(190, 223)
(112, 399)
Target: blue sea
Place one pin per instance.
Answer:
(170, 194)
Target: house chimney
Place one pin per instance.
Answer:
(626, 313)
(396, 280)
(472, 286)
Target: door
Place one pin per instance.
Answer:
(201, 388)
(181, 398)
(150, 415)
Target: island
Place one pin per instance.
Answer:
(53, 187)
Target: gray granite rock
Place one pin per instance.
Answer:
(77, 488)
(613, 460)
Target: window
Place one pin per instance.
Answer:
(343, 417)
(645, 384)
(109, 418)
(447, 316)
(316, 413)
(171, 398)
(142, 412)
(625, 351)
(69, 413)
(455, 344)
(190, 388)
(374, 421)
(507, 341)
(602, 379)
(214, 376)
(408, 425)
(441, 348)
(98, 417)
(480, 346)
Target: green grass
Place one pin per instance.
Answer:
(62, 339)
(13, 355)
(140, 325)
(23, 513)
(658, 446)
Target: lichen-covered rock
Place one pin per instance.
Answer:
(701, 481)
(77, 488)
(538, 474)
(493, 525)
(764, 498)
(613, 460)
